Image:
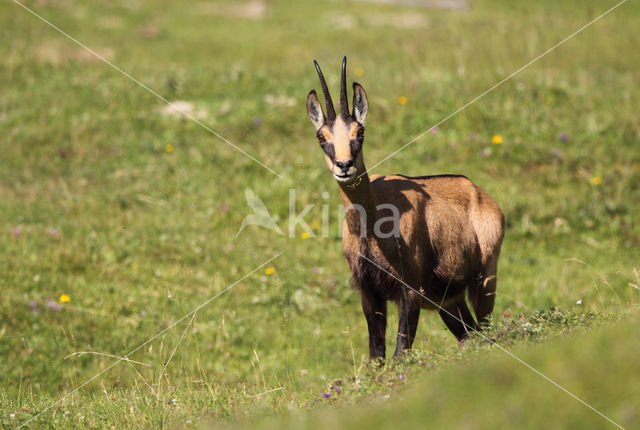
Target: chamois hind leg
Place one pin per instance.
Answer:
(482, 295)
(458, 318)
(375, 311)
(408, 317)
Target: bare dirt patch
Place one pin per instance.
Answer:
(436, 4)
(178, 108)
(252, 9)
(60, 53)
(398, 20)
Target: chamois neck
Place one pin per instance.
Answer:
(356, 197)
(359, 192)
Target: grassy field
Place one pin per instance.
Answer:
(119, 217)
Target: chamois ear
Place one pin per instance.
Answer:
(360, 103)
(314, 110)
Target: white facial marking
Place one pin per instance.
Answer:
(342, 146)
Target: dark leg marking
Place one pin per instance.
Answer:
(458, 318)
(375, 311)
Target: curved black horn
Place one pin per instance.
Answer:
(344, 104)
(331, 112)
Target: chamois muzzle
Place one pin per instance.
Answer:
(344, 166)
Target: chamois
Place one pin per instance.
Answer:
(442, 238)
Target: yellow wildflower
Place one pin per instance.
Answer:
(269, 270)
(169, 148)
(496, 139)
(305, 235)
(596, 180)
(359, 71)
(403, 100)
(64, 298)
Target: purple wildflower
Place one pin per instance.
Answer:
(337, 390)
(224, 207)
(257, 121)
(315, 269)
(326, 395)
(17, 232)
(53, 305)
(564, 137)
(435, 130)
(54, 232)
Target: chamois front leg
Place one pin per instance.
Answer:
(458, 318)
(375, 311)
(408, 316)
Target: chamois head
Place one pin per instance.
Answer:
(340, 136)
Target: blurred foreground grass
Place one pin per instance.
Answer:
(496, 391)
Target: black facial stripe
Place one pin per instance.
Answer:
(329, 150)
(327, 147)
(355, 148)
(356, 144)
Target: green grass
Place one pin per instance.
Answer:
(488, 391)
(144, 236)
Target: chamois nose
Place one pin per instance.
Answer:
(344, 165)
